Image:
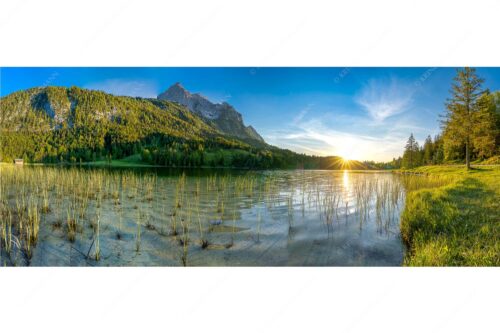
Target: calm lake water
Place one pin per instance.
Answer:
(165, 217)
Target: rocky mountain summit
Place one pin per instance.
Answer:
(222, 115)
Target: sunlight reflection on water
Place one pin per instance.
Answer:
(346, 180)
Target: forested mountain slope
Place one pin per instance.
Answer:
(53, 123)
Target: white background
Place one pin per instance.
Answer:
(254, 33)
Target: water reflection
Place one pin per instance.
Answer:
(268, 218)
(345, 179)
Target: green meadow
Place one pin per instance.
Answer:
(457, 223)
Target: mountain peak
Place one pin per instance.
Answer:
(175, 92)
(177, 85)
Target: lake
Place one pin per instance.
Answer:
(77, 216)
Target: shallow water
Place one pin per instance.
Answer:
(166, 217)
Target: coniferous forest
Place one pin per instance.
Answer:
(470, 128)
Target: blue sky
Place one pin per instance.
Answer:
(357, 113)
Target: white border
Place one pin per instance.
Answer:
(250, 299)
(253, 33)
(257, 33)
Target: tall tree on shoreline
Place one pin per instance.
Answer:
(459, 122)
(438, 155)
(411, 149)
(428, 150)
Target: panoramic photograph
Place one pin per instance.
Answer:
(264, 166)
(250, 166)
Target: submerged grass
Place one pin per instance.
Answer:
(456, 223)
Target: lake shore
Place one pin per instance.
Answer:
(457, 224)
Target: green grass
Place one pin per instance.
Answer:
(457, 224)
(130, 161)
(136, 161)
(495, 160)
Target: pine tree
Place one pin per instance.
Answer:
(410, 152)
(496, 98)
(438, 154)
(419, 154)
(485, 131)
(459, 120)
(428, 150)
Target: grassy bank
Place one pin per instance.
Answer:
(135, 161)
(130, 161)
(456, 224)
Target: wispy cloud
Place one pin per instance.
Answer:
(298, 118)
(318, 135)
(384, 99)
(121, 87)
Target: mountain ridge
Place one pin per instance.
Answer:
(222, 115)
(93, 120)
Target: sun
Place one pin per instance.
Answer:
(345, 164)
(347, 155)
(347, 158)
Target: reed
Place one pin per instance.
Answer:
(33, 221)
(184, 240)
(203, 240)
(233, 228)
(259, 222)
(45, 198)
(71, 225)
(138, 232)
(413, 182)
(7, 231)
(290, 211)
(97, 252)
(97, 232)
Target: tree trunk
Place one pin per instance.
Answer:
(467, 157)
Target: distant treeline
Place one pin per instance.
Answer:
(177, 155)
